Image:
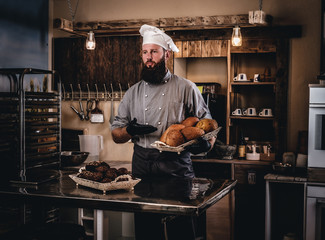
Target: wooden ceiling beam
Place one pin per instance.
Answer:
(131, 27)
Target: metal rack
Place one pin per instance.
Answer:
(30, 122)
(71, 94)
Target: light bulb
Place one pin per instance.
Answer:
(90, 42)
(236, 38)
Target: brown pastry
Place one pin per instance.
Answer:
(111, 173)
(208, 125)
(190, 121)
(94, 176)
(91, 166)
(163, 137)
(175, 138)
(122, 171)
(191, 133)
(122, 179)
(106, 180)
(102, 168)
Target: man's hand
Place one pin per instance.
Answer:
(201, 146)
(139, 129)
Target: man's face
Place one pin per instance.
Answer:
(153, 54)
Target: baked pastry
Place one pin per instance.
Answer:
(178, 127)
(208, 125)
(106, 180)
(191, 133)
(122, 171)
(111, 173)
(190, 121)
(92, 166)
(94, 176)
(174, 138)
(102, 168)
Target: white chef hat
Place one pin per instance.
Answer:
(154, 35)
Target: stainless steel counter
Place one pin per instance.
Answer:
(174, 196)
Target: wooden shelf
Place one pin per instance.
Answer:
(252, 83)
(233, 161)
(252, 118)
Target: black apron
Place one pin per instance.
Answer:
(151, 162)
(155, 226)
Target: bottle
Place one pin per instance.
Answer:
(242, 147)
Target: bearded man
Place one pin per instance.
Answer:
(148, 108)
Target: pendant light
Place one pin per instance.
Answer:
(90, 42)
(236, 38)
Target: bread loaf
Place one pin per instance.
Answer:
(174, 138)
(191, 133)
(208, 125)
(178, 127)
(190, 121)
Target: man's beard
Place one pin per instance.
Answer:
(156, 74)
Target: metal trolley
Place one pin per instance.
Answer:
(30, 126)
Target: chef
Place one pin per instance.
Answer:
(150, 106)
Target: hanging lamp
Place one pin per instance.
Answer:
(90, 41)
(236, 38)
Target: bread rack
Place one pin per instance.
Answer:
(30, 135)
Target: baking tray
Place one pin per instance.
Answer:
(163, 147)
(114, 185)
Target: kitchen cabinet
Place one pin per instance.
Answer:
(269, 59)
(286, 205)
(202, 48)
(245, 207)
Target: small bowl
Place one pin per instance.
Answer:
(282, 168)
(253, 156)
(73, 158)
(225, 151)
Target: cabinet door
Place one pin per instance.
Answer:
(250, 201)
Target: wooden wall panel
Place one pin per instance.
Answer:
(179, 45)
(214, 48)
(115, 60)
(194, 49)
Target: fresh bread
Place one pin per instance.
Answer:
(208, 125)
(191, 133)
(178, 127)
(174, 138)
(190, 121)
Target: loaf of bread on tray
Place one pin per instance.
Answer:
(189, 129)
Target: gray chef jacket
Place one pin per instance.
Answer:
(160, 105)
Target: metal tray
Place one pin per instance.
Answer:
(114, 185)
(161, 146)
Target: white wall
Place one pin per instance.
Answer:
(304, 55)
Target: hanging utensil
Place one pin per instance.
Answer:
(82, 117)
(97, 115)
(82, 113)
(90, 104)
(111, 119)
